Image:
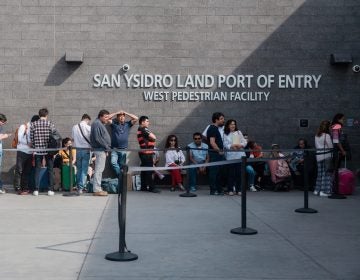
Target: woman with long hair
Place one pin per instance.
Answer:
(339, 150)
(234, 143)
(174, 157)
(323, 144)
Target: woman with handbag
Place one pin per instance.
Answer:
(234, 143)
(174, 157)
(323, 144)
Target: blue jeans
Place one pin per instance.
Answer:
(250, 173)
(192, 177)
(49, 164)
(82, 164)
(118, 159)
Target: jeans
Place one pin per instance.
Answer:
(192, 177)
(234, 177)
(250, 173)
(118, 159)
(214, 178)
(50, 165)
(22, 170)
(99, 168)
(82, 164)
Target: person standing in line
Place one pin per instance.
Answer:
(81, 136)
(216, 153)
(234, 143)
(120, 130)
(174, 157)
(23, 158)
(39, 135)
(198, 153)
(3, 121)
(339, 151)
(323, 145)
(101, 143)
(146, 140)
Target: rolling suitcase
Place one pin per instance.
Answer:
(346, 181)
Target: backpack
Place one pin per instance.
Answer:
(15, 140)
(54, 142)
(282, 170)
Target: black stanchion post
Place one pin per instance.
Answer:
(71, 175)
(243, 229)
(187, 185)
(123, 255)
(306, 208)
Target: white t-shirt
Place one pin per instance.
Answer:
(323, 144)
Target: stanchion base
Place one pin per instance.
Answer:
(188, 194)
(243, 231)
(71, 194)
(337, 196)
(306, 210)
(121, 257)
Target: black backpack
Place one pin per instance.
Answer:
(54, 142)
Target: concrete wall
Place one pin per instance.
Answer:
(180, 37)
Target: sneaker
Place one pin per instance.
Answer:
(36, 193)
(231, 193)
(316, 193)
(324, 194)
(101, 193)
(212, 192)
(154, 190)
(80, 191)
(193, 189)
(238, 193)
(253, 189)
(2, 191)
(51, 193)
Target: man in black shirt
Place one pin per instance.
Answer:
(216, 152)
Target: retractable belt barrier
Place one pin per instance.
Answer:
(123, 254)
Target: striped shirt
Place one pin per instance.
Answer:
(39, 134)
(145, 142)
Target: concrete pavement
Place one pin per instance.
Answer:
(179, 238)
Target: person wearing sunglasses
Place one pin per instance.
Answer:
(198, 153)
(174, 157)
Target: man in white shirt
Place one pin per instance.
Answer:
(81, 136)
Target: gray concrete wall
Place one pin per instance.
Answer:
(217, 37)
